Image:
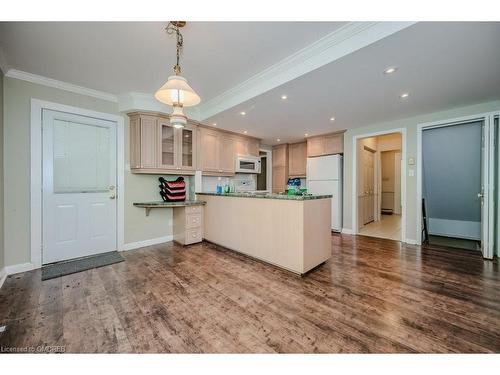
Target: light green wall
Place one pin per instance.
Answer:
(411, 148)
(2, 262)
(17, 97)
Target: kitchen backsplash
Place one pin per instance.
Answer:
(210, 183)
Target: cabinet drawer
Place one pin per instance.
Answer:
(193, 236)
(193, 210)
(193, 220)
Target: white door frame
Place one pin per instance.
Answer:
(354, 197)
(486, 117)
(269, 168)
(36, 171)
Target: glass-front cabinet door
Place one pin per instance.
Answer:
(177, 149)
(187, 148)
(168, 145)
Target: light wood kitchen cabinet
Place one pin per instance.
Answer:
(280, 168)
(226, 154)
(188, 224)
(327, 144)
(144, 142)
(176, 148)
(217, 153)
(247, 146)
(297, 159)
(158, 148)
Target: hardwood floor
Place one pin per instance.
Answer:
(373, 295)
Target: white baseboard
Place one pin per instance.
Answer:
(346, 231)
(139, 244)
(3, 276)
(18, 268)
(470, 230)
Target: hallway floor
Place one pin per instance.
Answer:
(389, 227)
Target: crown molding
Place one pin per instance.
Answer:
(339, 43)
(49, 82)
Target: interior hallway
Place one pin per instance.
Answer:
(388, 227)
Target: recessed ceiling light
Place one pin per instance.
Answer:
(404, 95)
(243, 113)
(278, 140)
(214, 124)
(390, 70)
(284, 97)
(305, 135)
(245, 132)
(332, 118)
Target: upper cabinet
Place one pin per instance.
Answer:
(247, 146)
(217, 153)
(158, 148)
(297, 159)
(143, 142)
(176, 147)
(327, 144)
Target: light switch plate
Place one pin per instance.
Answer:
(411, 172)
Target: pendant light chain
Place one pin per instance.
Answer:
(174, 28)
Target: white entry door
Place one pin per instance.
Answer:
(79, 186)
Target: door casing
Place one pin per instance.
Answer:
(354, 186)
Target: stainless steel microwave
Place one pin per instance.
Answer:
(247, 164)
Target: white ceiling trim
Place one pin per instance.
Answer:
(339, 43)
(41, 80)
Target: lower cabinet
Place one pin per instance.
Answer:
(188, 224)
(280, 168)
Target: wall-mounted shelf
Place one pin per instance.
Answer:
(160, 204)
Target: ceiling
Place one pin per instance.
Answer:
(120, 57)
(441, 65)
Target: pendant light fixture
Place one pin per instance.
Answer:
(176, 91)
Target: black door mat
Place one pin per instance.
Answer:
(54, 270)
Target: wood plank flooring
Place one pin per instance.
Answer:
(373, 295)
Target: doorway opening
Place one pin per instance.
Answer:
(264, 182)
(262, 176)
(379, 182)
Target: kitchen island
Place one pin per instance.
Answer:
(291, 232)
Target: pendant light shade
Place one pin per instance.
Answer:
(176, 91)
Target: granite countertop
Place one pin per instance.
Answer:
(169, 204)
(270, 196)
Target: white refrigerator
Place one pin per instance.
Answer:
(324, 176)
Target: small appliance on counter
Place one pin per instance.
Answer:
(172, 191)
